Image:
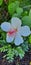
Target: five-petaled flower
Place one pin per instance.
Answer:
(15, 31)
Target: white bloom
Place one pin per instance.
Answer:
(15, 31)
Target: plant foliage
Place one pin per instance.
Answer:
(16, 9)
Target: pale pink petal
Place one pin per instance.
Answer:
(25, 31)
(18, 40)
(16, 22)
(6, 26)
(10, 38)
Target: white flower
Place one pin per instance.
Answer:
(15, 31)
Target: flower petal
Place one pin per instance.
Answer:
(9, 38)
(16, 22)
(5, 26)
(18, 40)
(25, 31)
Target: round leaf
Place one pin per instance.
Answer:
(19, 10)
(26, 20)
(11, 8)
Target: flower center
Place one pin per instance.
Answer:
(11, 32)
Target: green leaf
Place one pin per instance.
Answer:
(30, 39)
(2, 42)
(3, 49)
(26, 20)
(19, 10)
(3, 35)
(30, 13)
(10, 54)
(15, 15)
(11, 8)
(20, 52)
(25, 46)
(17, 3)
(1, 1)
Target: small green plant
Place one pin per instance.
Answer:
(12, 7)
(15, 8)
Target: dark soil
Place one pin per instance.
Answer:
(25, 61)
